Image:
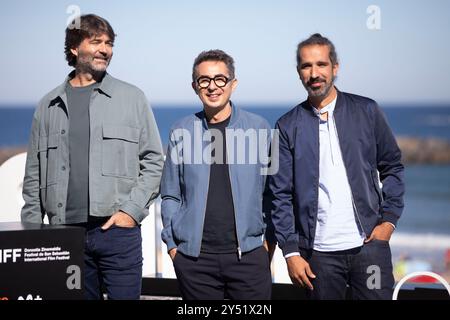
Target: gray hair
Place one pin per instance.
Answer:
(214, 55)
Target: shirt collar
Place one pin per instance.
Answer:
(328, 108)
(105, 87)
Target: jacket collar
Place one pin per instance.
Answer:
(106, 86)
(340, 102)
(235, 112)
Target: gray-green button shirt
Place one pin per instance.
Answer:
(125, 154)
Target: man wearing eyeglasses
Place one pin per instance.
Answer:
(212, 201)
(332, 220)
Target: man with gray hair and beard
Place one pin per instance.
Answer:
(95, 160)
(332, 220)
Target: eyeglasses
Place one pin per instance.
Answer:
(219, 80)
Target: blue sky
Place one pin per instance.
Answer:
(405, 62)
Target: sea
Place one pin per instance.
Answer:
(423, 232)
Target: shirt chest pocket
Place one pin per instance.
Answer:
(120, 151)
(48, 159)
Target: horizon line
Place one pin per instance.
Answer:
(265, 105)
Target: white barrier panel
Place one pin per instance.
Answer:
(11, 179)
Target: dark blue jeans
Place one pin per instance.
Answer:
(113, 260)
(367, 270)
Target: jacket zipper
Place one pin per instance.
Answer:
(349, 185)
(317, 190)
(204, 211)
(206, 195)
(239, 251)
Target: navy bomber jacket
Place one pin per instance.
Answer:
(367, 146)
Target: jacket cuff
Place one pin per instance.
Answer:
(133, 210)
(170, 245)
(269, 236)
(389, 217)
(290, 247)
(167, 238)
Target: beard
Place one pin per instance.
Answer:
(320, 92)
(87, 64)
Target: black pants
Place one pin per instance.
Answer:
(220, 276)
(367, 270)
